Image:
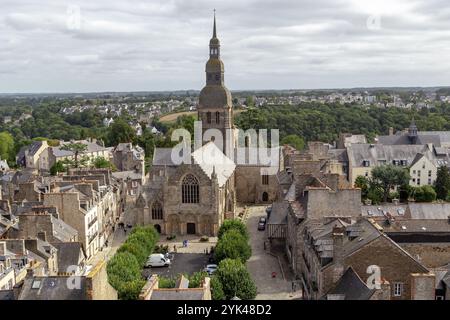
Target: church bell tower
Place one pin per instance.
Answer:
(215, 102)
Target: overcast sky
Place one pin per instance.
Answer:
(147, 45)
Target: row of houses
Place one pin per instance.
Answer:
(338, 248)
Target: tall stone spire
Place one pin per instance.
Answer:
(215, 103)
(214, 29)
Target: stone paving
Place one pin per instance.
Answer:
(261, 264)
(194, 244)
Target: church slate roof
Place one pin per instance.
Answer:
(163, 157)
(211, 159)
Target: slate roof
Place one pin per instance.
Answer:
(62, 231)
(163, 157)
(403, 139)
(357, 153)
(278, 215)
(351, 287)
(68, 254)
(210, 158)
(52, 288)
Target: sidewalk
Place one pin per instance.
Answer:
(194, 244)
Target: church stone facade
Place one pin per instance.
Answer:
(195, 197)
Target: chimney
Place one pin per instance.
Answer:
(42, 235)
(2, 248)
(338, 243)
(391, 131)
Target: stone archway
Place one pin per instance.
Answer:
(190, 224)
(158, 228)
(265, 196)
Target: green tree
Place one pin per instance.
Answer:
(362, 183)
(442, 184)
(235, 280)
(294, 141)
(120, 132)
(424, 194)
(217, 289)
(124, 275)
(233, 224)
(232, 245)
(57, 168)
(101, 162)
(76, 148)
(388, 177)
(6, 146)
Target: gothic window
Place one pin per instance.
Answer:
(217, 117)
(190, 189)
(208, 117)
(157, 212)
(265, 179)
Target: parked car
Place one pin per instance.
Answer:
(157, 260)
(210, 268)
(262, 223)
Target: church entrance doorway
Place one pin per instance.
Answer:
(158, 228)
(191, 228)
(265, 197)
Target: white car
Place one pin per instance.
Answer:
(211, 268)
(157, 260)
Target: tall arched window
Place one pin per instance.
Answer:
(157, 211)
(217, 117)
(208, 117)
(190, 189)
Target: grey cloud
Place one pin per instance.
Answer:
(162, 44)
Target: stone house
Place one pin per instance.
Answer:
(151, 290)
(77, 207)
(92, 286)
(332, 246)
(40, 223)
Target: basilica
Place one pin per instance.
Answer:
(196, 197)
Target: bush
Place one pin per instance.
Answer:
(233, 224)
(235, 280)
(204, 239)
(167, 283)
(195, 280)
(171, 237)
(232, 245)
(161, 249)
(425, 194)
(217, 289)
(124, 269)
(124, 275)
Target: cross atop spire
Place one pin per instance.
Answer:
(214, 29)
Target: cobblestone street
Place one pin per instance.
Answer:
(261, 264)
